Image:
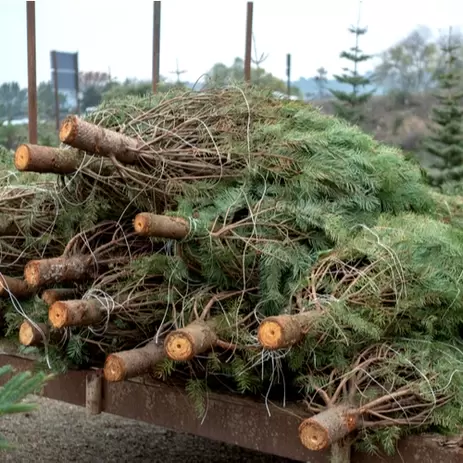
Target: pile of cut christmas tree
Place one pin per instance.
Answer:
(233, 241)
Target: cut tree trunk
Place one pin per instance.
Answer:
(328, 427)
(76, 313)
(57, 270)
(16, 287)
(44, 159)
(162, 226)
(284, 331)
(50, 296)
(186, 343)
(33, 335)
(98, 140)
(131, 363)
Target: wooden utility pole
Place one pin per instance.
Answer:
(288, 73)
(156, 43)
(248, 51)
(54, 61)
(31, 73)
(76, 67)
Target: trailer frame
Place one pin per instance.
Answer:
(267, 428)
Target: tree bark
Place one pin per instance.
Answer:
(50, 296)
(285, 330)
(186, 343)
(57, 270)
(98, 140)
(15, 286)
(328, 427)
(46, 160)
(33, 335)
(76, 313)
(162, 226)
(131, 363)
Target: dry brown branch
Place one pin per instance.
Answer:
(28, 216)
(163, 148)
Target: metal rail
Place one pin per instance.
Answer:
(229, 419)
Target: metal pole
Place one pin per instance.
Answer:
(156, 43)
(31, 73)
(247, 56)
(288, 73)
(55, 85)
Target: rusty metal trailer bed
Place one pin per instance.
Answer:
(232, 420)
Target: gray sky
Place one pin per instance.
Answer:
(118, 36)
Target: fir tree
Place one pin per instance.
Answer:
(349, 105)
(446, 141)
(321, 81)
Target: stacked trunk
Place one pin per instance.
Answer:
(226, 237)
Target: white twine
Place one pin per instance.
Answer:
(17, 306)
(107, 303)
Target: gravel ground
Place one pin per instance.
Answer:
(59, 432)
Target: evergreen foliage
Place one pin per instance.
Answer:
(349, 105)
(320, 81)
(15, 390)
(289, 212)
(395, 368)
(446, 142)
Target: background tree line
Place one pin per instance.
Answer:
(409, 67)
(393, 100)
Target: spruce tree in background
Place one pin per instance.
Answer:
(349, 105)
(321, 80)
(446, 141)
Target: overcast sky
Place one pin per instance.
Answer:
(118, 36)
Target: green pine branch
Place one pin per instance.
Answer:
(355, 55)
(15, 390)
